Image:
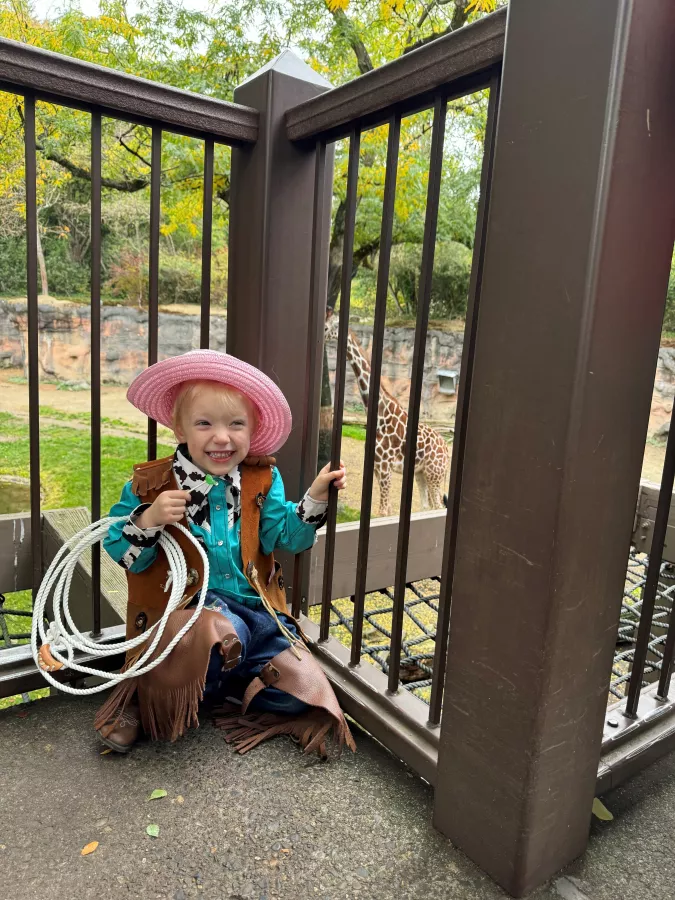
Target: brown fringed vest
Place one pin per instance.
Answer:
(147, 597)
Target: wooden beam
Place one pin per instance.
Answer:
(424, 555)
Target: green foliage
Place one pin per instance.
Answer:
(449, 283)
(669, 317)
(210, 52)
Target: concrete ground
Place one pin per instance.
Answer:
(273, 824)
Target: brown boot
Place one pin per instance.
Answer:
(121, 732)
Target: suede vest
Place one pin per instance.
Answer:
(147, 597)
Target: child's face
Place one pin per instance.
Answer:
(218, 435)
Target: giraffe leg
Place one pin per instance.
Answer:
(423, 487)
(383, 476)
(436, 481)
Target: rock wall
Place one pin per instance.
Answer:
(65, 328)
(443, 351)
(65, 332)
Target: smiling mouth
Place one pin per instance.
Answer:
(220, 456)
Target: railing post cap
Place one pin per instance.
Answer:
(289, 63)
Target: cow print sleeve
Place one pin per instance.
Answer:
(141, 537)
(313, 512)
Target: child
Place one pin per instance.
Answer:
(222, 484)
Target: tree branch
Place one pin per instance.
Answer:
(134, 152)
(459, 17)
(128, 186)
(348, 29)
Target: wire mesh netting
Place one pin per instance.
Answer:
(421, 615)
(419, 628)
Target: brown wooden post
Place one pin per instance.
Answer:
(271, 282)
(578, 245)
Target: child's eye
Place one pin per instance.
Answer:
(238, 423)
(202, 422)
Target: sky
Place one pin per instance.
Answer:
(48, 9)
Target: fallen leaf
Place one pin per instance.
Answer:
(213, 849)
(157, 794)
(153, 830)
(48, 748)
(105, 752)
(273, 863)
(85, 851)
(21, 715)
(601, 812)
(180, 799)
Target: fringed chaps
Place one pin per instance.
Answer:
(169, 695)
(303, 678)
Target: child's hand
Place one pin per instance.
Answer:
(168, 508)
(319, 489)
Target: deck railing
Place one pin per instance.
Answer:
(574, 233)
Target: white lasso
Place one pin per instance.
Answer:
(62, 644)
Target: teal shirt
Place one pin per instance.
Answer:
(281, 528)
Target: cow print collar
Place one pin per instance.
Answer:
(190, 477)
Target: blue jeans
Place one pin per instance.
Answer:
(260, 640)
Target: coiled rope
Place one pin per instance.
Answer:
(61, 642)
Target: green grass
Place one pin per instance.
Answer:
(20, 600)
(347, 514)
(65, 468)
(357, 432)
(84, 418)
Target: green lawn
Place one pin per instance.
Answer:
(65, 461)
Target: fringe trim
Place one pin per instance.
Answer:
(165, 715)
(310, 730)
(116, 703)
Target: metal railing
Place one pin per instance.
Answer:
(39, 75)
(428, 78)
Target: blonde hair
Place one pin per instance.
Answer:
(230, 398)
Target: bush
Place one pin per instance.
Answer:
(13, 266)
(64, 276)
(180, 278)
(449, 283)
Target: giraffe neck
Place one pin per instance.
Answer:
(361, 367)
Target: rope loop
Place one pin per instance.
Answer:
(63, 637)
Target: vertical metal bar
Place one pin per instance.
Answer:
(428, 251)
(153, 285)
(95, 338)
(651, 586)
(340, 370)
(374, 386)
(463, 398)
(33, 367)
(207, 234)
(669, 649)
(313, 371)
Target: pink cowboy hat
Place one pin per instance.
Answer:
(154, 392)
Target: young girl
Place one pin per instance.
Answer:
(244, 649)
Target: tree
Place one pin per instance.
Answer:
(211, 53)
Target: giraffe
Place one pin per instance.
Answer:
(432, 459)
